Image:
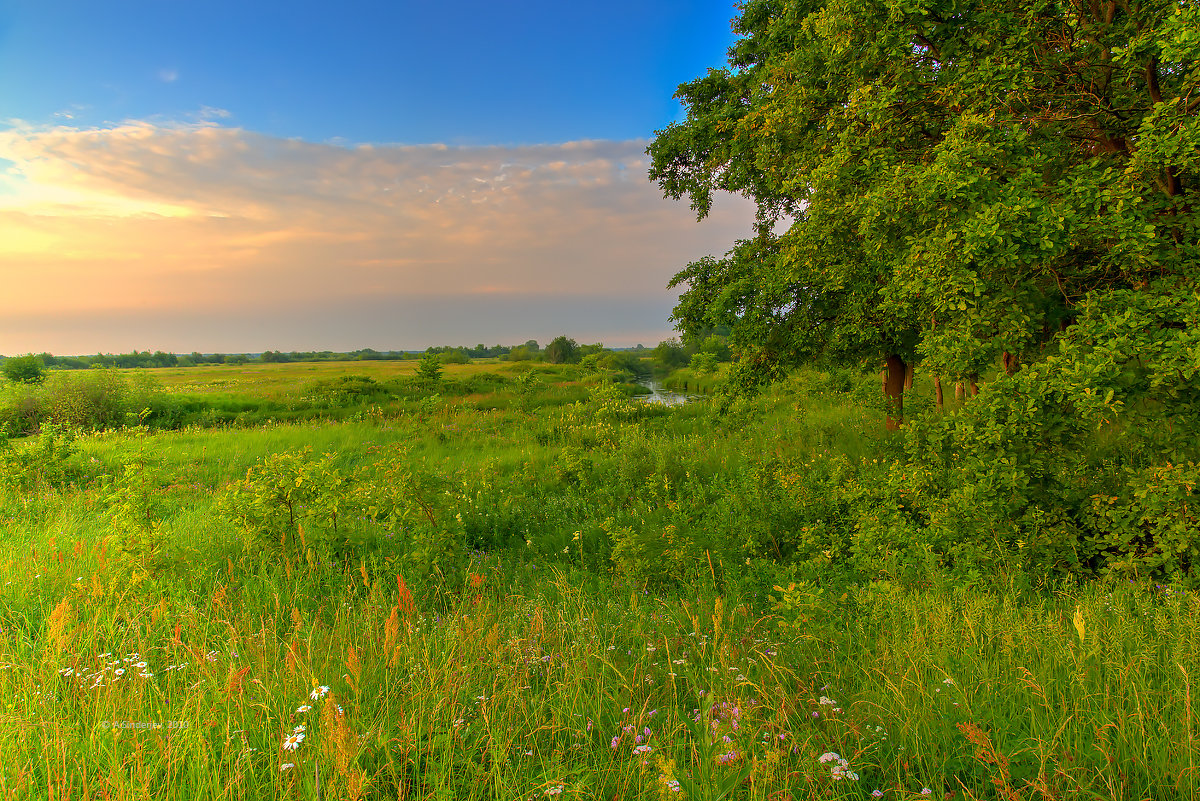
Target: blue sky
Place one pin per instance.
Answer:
(247, 163)
(402, 72)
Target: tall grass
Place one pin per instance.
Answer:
(531, 668)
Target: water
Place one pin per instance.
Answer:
(663, 396)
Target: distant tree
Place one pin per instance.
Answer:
(562, 350)
(520, 354)
(671, 354)
(429, 371)
(27, 369)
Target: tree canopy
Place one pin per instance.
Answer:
(939, 182)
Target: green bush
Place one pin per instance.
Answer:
(27, 369)
(50, 461)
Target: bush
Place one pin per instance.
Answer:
(27, 369)
(97, 399)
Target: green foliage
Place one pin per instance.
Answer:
(671, 354)
(136, 506)
(429, 370)
(291, 500)
(96, 399)
(347, 390)
(562, 350)
(27, 369)
(50, 461)
(938, 210)
(703, 363)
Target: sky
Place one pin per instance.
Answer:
(238, 177)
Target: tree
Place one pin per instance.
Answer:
(953, 183)
(562, 350)
(429, 370)
(27, 369)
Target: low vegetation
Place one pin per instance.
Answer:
(512, 581)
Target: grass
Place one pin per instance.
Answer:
(521, 680)
(530, 667)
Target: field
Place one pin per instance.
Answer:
(517, 583)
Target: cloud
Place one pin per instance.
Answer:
(201, 219)
(168, 75)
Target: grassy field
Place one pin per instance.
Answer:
(538, 590)
(292, 378)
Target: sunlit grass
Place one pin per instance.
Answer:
(532, 670)
(523, 680)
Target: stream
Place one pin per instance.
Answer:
(663, 396)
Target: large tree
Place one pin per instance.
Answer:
(939, 182)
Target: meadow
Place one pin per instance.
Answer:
(516, 582)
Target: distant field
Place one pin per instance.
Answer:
(277, 380)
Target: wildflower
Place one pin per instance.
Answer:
(615, 740)
(301, 710)
(554, 790)
(829, 757)
(120, 671)
(877, 793)
(293, 742)
(673, 785)
(286, 766)
(319, 693)
(925, 791)
(298, 730)
(947, 681)
(725, 759)
(642, 749)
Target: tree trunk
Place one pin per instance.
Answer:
(908, 376)
(974, 385)
(1010, 363)
(893, 390)
(937, 389)
(959, 392)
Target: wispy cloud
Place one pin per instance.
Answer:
(202, 219)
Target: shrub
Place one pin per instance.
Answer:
(49, 461)
(27, 369)
(96, 399)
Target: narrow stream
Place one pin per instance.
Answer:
(664, 396)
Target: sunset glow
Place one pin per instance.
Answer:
(189, 231)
